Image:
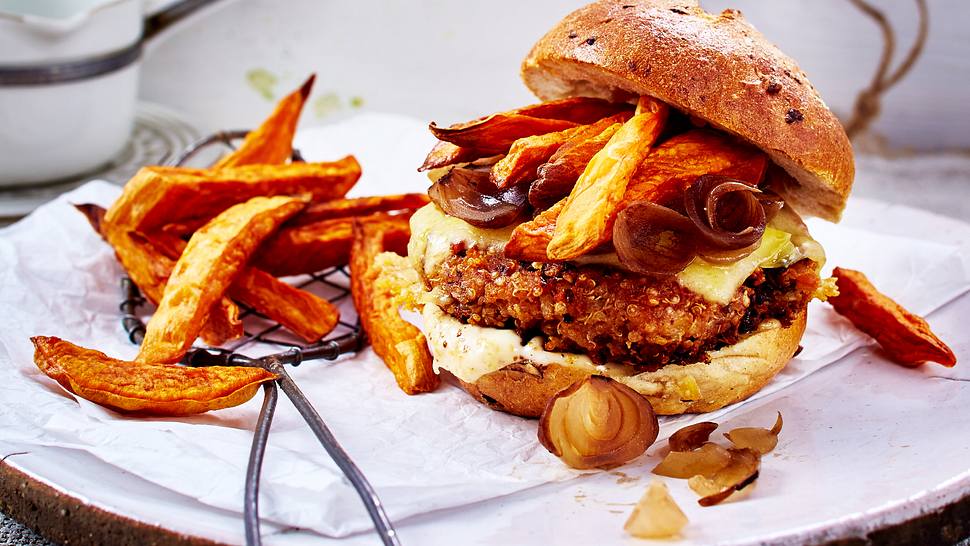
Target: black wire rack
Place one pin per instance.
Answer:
(259, 332)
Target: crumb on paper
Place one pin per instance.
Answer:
(622, 478)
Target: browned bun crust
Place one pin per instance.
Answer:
(715, 67)
(732, 374)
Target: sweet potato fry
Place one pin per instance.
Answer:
(581, 110)
(305, 314)
(272, 142)
(529, 240)
(661, 178)
(446, 153)
(496, 133)
(586, 220)
(162, 195)
(222, 323)
(400, 344)
(675, 164)
(556, 178)
(306, 249)
(149, 267)
(906, 338)
(211, 261)
(156, 389)
(359, 206)
(309, 248)
(525, 156)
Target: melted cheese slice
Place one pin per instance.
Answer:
(786, 240)
(469, 352)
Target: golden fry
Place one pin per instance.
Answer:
(163, 195)
(904, 336)
(157, 389)
(212, 259)
(400, 344)
(586, 221)
(272, 142)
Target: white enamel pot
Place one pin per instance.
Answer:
(69, 82)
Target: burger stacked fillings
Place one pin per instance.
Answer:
(641, 223)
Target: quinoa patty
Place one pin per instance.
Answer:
(609, 314)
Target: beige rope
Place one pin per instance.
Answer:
(868, 103)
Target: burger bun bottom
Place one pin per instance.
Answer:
(731, 374)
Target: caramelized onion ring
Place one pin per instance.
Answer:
(469, 195)
(772, 203)
(650, 238)
(727, 212)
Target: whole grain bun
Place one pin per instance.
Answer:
(715, 67)
(731, 375)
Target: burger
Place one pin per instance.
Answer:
(642, 222)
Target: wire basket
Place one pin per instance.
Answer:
(260, 334)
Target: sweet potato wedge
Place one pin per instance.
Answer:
(400, 344)
(494, 134)
(211, 261)
(581, 110)
(162, 195)
(149, 266)
(306, 249)
(556, 178)
(525, 156)
(306, 315)
(661, 178)
(587, 218)
(358, 206)
(678, 162)
(302, 249)
(155, 389)
(272, 142)
(906, 337)
(445, 153)
(529, 240)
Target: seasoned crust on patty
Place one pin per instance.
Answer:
(609, 314)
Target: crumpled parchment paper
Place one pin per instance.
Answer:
(421, 453)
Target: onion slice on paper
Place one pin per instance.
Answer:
(691, 437)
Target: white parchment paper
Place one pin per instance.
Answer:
(421, 453)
